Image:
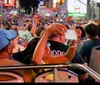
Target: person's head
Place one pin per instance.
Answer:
(32, 45)
(24, 27)
(40, 30)
(6, 43)
(56, 36)
(29, 27)
(80, 32)
(7, 26)
(14, 26)
(96, 21)
(91, 30)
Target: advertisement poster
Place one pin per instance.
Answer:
(9, 3)
(77, 7)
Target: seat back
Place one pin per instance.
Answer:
(95, 59)
(11, 77)
(63, 76)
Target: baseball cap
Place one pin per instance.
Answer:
(6, 36)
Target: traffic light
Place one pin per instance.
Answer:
(61, 2)
(47, 5)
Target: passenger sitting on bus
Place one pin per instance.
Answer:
(6, 48)
(43, 53)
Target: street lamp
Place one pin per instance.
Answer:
(90, 11)
(98, 5)
(93, 10)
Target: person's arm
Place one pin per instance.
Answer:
(34, 29)
(40, 48)
(68, 56)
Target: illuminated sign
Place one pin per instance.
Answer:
(77, 7)
(9, 2)
(76, 14)
(58, 1)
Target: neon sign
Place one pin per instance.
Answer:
(9, 2)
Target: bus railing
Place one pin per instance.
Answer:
(84, 67)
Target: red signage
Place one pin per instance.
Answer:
(9, 2)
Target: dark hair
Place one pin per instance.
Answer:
(39, 30)
(28, 52)
(29, 27)
(32, 44)
(92, 30)
(83, 31)
(67, 26)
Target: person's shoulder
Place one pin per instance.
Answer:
(28, 32)
(34, 39)
(98, 39)
(55, 42)
(84, 38)
(87, 41)
(10, 62)
(57, 46)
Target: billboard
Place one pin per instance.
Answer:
(9, 3)
(77, 7)
(58, 1)
(96, 0)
